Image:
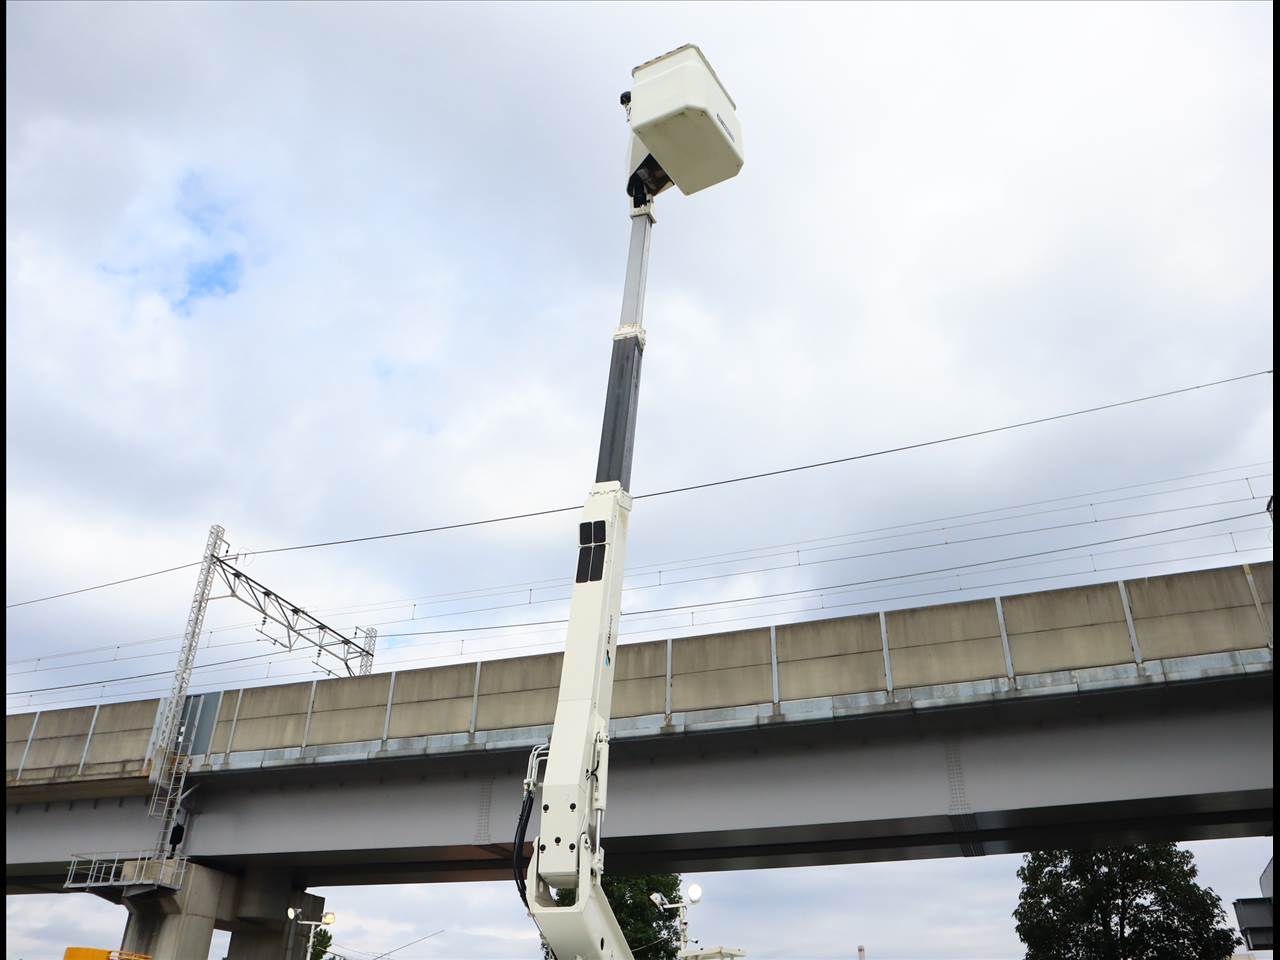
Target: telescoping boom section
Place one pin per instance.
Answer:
(684, 131)
(567, 853)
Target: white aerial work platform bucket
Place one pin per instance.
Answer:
(686, 119)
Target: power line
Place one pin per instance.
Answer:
(143, 676)
(673, 583)
(108, 646)
(685, 563)
(676, 607)
(877, 580)
(1094, 569)
(788, 593)
(876, 600)
(103, 586)
(409, 944)
(684, 489)
(688, 562)
(948, 543)
(640, 569)
(826, 592)
(822, 606)
(786, 566)
(220, 668)
(742, 572)
(830, 591)
(960, 436)
(976, 586)
(774, 473)
(343, 946)
(738, 573)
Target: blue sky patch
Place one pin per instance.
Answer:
(212, 278)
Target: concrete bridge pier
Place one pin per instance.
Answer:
(262, 929)
(278, 939)
(179, 925)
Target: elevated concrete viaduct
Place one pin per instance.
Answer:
(1114, 712)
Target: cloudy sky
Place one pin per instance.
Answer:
(323, 271)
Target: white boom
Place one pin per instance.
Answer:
(567, 853)
(685, 132)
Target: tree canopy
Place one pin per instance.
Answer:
(1124, 903)
(651, 933)
(320, 944)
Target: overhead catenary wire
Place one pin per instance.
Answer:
(820, 594)
(804, 545)
(645, 569)
(988, 431)
(141, 676)
(554, 622)
(913, 576)
(718, 576)
(777, 567)
(343, 946)
(641, 614)
(787, 593)
(690, 562)
(823, 607)
(371, 954)
(103, 586)
(525, 647)
(634, 569)
(823, 592)
(702, 604)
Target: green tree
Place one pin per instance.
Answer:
(1123, 903)
(651, 933)
(321, 944)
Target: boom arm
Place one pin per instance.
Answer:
(684, 131)
(567, 853)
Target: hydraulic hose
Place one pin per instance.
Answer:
(517, 853)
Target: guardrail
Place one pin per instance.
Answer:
(125, 869)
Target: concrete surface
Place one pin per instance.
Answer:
(383, 749)
(830, 657)
(178, 924)
(1067, 629)
(998, 772)
(1177, 616)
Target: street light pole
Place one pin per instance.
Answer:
(325, 920)
(682, 911)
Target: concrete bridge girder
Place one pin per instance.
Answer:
(1107, 713)
(1189, 762)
